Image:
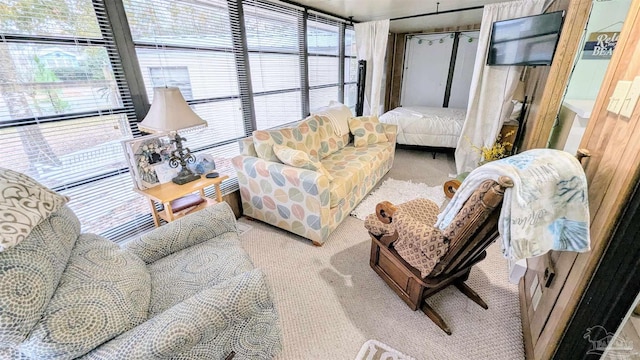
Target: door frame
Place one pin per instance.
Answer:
(612, 289)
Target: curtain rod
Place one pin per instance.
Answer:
(438, 12)
(348, 20)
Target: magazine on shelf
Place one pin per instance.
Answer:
(148, 160)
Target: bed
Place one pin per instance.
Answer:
(426, 126)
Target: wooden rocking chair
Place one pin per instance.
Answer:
(468, 236)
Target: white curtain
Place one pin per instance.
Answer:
(492, 87)
(371, 44)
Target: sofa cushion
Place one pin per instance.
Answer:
(31, 271)
(24, 203)
(103, 292)
(329, 141)
(351, 166)
(299, 159)
(180, 275)
(304, 136)
(367, 130)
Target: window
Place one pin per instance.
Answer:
(350, 69)
(173, 76)
(65, 106)
(273, 41)
(189, 45)
(323, 48)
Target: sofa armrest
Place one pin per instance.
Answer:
(187, 231)
(291, 198)
(391, 131)
(209, 321)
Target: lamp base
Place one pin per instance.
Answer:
(182, 179)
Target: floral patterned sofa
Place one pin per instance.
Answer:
(186, 290)
(310, 198)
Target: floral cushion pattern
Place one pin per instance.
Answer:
(299, 159)
(367, 130)
(103, 292)
(24, 203)
(304, 136)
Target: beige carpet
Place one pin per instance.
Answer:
(330, 301)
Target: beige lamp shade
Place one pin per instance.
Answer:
(169, 112)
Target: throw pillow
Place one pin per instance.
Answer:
(338, 114)
(366, 130)
(24, 203)
(299, 159)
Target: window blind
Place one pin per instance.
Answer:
(189, 44)
(65, 106)
(273, 42)
(323, 48)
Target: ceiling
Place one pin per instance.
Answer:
(365, 10)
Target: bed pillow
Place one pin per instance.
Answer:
(299, 159)
(367, 130)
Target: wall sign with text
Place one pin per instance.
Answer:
(600, 45)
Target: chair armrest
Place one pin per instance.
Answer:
(391, 131)
(210, 321)
(187, 231)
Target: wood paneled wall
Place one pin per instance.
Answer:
(395, 61)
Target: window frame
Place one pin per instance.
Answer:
(116, 38)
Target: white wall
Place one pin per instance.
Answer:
(588, 73)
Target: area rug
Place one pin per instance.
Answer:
(397, 192)
(375, 350)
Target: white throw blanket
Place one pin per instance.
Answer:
(547, 209)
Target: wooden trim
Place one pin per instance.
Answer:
(526, 326)
(613, 171)
(545, 111)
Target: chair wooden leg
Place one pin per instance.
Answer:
(435, 317)
(465, 289)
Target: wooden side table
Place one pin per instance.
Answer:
(167, 192)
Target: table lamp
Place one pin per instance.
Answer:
(170, 113)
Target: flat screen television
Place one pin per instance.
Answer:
(529, 41)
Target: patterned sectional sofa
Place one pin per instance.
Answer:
(303, 201)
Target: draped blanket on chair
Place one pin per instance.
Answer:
(547, 208)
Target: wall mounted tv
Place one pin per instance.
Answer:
(529, 41)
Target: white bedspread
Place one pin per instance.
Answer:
(426, 126)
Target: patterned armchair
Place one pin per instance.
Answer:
(183, 291)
